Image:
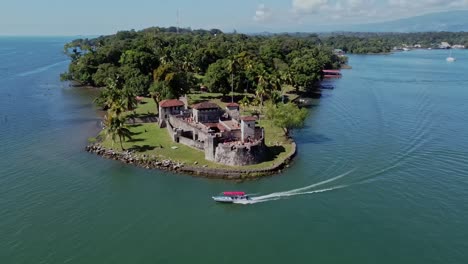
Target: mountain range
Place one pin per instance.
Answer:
(453, 21)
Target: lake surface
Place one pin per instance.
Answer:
(381, 175)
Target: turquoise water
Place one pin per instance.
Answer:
(384, 157)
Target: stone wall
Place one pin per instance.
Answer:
(233, 134)
(170, 130)
(210, 148)
(214, 150)
(233, 114)
(247, 130)
(206, 115)
(192, 143)
(198, 134)
(240, 155)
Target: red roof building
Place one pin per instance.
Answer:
(170, 103)
(232, 105)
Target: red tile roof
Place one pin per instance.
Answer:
(248, 118)
(232, 105)
(205, 105)
(170, 103)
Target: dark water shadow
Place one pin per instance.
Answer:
(313, 139)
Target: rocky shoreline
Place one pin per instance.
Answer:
(151, 162)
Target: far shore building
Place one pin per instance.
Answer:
(222, 134)
(444, 45)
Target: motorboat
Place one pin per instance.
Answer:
(450, 58)
(231, 197)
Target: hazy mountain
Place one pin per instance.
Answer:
(453, 21)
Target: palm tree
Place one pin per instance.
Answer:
(260, 92)
(117, 107)
(128, 97)
(286, 77)
(262, 85)
(188, 67)
(115, 127)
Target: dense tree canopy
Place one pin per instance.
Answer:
(168, 61)
(384, 42)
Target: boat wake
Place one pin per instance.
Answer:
(295, 192)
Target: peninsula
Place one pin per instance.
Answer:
(198, 101)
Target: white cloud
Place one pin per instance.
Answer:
(262, 13)
(308, 6)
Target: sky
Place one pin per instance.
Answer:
(100, 17)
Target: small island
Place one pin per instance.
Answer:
(201, 102)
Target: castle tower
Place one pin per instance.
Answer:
(248, 128)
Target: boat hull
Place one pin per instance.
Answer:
(229, 199)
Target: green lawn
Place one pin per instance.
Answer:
(151, 140)
(216, 98)
(146, 107)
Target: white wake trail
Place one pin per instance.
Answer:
(278, 196)
(282, 194)
(295, 192)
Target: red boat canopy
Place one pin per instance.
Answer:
(234, 193)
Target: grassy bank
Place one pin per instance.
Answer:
(150, 140)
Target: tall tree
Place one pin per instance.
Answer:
(287, 116)
(217, 77)
(115, 128)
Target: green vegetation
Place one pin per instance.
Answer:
(146, 107)
(287, 116)
(118, 101)
(159, 63)
(384, 42)
(152, 141)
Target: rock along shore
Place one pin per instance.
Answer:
(151, 162)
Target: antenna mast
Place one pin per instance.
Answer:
(178, 21)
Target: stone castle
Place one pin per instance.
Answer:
(223, 135)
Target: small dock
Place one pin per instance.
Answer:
(331, 74)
